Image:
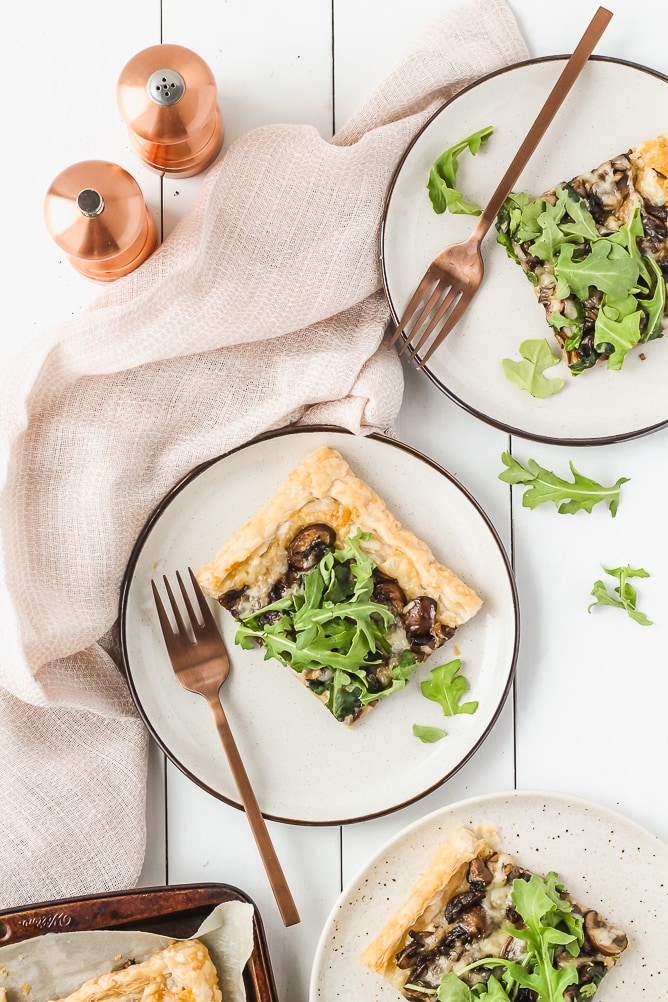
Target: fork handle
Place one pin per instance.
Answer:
(567, 78)
(279, 884)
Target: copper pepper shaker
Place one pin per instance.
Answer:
(95, 212)
(168, 98)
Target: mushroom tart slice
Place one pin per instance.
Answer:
(329, 583)
(182, 972)
(595, 249)
(477, 925)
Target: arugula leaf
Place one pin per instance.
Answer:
(543, 485)
(584, 224)
(428, 734)
(446, 687)
(453, 989)
(654, 304)
(607, 267)
(627, 596)
(332, 627)
(617, 328)
(443, 176)
(528, 374)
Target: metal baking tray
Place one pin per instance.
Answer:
(175, 911)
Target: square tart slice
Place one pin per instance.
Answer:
(595, 249)
(327, 580)
(182, 972)
(464, 910)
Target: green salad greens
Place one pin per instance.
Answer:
(580, 494)
(608, 295)
(550, 926)
(442, 183)
(529, 373)
(332, 625)
(624, 595)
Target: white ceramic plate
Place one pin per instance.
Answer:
(604, 860)
(613, 106)
(305, 766)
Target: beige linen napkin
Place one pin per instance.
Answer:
(262, 309)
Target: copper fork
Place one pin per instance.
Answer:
(201, 665)
(454, 276)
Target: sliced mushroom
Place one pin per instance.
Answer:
(231, 600)
(479, 874)
(388, 592)
(414, 950)
(603, 936)
(419, 617)
(309, 545)
(283, 585)
(515, 872)
(474, 921)
(462, 903)
(513, 949)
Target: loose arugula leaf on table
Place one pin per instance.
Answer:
(442, 184)
(428, 735)
(446, 687)
(528, 374)
(542, 485)
(627, 596)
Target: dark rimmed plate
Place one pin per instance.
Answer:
(175, 911)
(613, 106)
(606, 861)
(299, 758)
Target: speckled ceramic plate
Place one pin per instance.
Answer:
(598, 406)
(305, 766)
(605, 860)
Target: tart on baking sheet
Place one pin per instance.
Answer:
(327, 580)
(478, 926)
(182, 972)
(596, 251)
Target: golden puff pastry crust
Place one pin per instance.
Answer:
(442, 880)
(182, 972)
(322, 488)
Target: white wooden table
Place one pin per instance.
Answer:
(600, 681)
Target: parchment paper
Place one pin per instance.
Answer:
(56, 964)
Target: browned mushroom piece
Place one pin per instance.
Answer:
(603, 936)
(309, 545)
(479, 875)
(514, 949)
(462, 903)
(419, 617)
(284, 584)
(388, 592)
(413, 950)
(231, 599)
(474, 921)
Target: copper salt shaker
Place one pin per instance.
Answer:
(95, 212)
(168, 98)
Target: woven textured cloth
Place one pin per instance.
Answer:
(262, 309)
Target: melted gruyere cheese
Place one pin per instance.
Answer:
(651, 162)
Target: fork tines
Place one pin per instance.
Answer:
(435, 302)
(206, 619)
